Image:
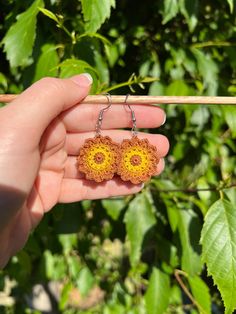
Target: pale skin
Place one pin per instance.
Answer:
(41, 133)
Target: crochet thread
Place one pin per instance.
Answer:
(98, 158)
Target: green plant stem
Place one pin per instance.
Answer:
(131, 81)
(193, 190)
(213, 44)
(61, 26)
(118, 86)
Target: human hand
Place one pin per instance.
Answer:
(41, 133)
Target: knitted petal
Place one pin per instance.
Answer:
(138, 160)
(98, 158)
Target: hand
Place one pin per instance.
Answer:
(41, 133)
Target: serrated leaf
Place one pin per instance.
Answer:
(47, 62)
(201, 294)
(231, 5)
(19, 40)
(49, 14)
(218, 241)
(158, 292)
(139, 218)
(95, 13)
(171, 9)
(189, 232)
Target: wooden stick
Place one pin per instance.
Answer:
(184, 100)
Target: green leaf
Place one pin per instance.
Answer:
(218, 241)
(65, 294)
(158, 292)
(25, 262)
(230, 117)
(55, 267)
(139, 218)
(201, 294)
(113, 207)
(49, 14)
(171, 9)
(3, 83)
(189, 9)
(19, 40)
(231, 5)
(101, 67)
(189, 232)
(74, 266)
(175, 295)
(47, 62)
(177, 88)
(103, 39)
(95, 13)
(208, 70)
(68, 242)
(85, 281)
(71, 67)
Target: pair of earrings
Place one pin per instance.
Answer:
(134, 160)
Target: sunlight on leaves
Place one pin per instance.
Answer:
(18, 41)
(218, 241)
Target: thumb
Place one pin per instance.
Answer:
(38, 105)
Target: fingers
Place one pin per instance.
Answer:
(84, 117)
(75, 141)
(38, 105)
(77, 190)
(71, 171)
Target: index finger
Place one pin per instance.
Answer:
(84, 117)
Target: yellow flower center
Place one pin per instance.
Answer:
(99, 157)
(136, 159)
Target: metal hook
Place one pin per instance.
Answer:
(100, 116)
(134, 126)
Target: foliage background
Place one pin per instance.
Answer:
(139, 254)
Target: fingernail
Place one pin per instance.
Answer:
(164, 121)
(141, 185)
(84, 79)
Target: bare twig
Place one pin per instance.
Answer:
(178, 274)
(116, 99)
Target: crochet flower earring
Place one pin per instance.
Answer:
(98, 157)
(138, 158)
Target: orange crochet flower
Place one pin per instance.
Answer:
(98, 158)
(138, 160)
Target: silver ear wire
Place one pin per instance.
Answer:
(100, 116)
(134, 125)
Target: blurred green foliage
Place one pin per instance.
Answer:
(152, 252)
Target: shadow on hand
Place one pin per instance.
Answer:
(11, 200)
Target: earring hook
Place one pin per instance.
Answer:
(134, 125)
(100, 116)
